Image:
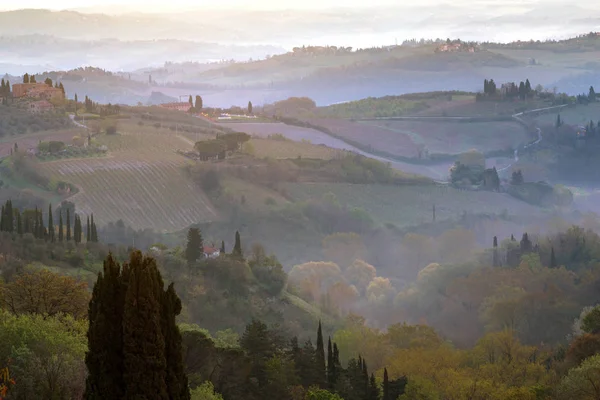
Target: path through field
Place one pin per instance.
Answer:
(142, 183)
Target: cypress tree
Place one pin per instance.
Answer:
(60, 228)
(51, 224)
(68, 226)
(386, 385)
(9, 218)
(373, 388)
(88, 230)
(19, 223)
(320, 358)
(330, 365)
(222, 247)
(176, 380)
(134, 345)
(194, 247)
(191, 101)
(495, 261)
(552, 258)
(93, 230)
(36, 229)
(237, 249)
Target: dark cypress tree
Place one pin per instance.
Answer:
(320, 359)
(558, 121)
(512, 238)
(60, 228)
(526, 245)
(191, 101)
(496, 259)
(104, 358)
(176, 380)
(373, 388)
(134, 347)
(198, 103)
(68, 226)
(88, 230)
(365, 379)
(77, 229)
(237, 248)
(306, 365)
(553, 263)
(9, 218)
(386, 386)
(3, 220)
(330, 365)
(222, 247)
(51, 224)
(337, 370)
(19, 223)
(36, 229)
(93, 230)
(250, 107)
(194, 247)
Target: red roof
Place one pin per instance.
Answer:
(210, 250)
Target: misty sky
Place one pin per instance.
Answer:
(175, 5)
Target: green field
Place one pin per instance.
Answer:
(412, 204)
(281, 149)
(575, 115)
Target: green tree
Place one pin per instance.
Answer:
(195, 245)
(373, 388)
(93, 230)
(386, 385)
(50, 223)
(582, 382)
(320, 370)
(68, 237)
(237, 248)
(591, 322)
(48, 82)
(250, 107)
(592, 94)
(206, 391)
(198, 103)
(321, 394)
(134, 343)
(88, 235)
(26, 78)
(60, 228)
(32, 79)
(223, 247)
(191, 101)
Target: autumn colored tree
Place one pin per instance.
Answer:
(46, 293)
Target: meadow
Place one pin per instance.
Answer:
(285, 148)
(412, 204)
(576, 115)
(141, 181)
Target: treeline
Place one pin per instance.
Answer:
(218, 148)
(32, 222)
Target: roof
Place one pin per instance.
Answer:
(210, 250)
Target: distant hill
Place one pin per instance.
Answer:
(160, 98)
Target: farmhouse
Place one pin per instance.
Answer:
(42, 106)
(37, 91)
(181, 106)
(211, 252)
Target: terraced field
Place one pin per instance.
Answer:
(412, 205)
(140, 182)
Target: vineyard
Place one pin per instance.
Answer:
(140, 182)
(280, 149)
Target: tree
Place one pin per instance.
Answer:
(386, 384)
(195, 245)
(250, 107)
(68, 238)
(558, 122)
(48, 82)
(134, 345)
(60, 228)
(373, 388)
(517, 178)
(592, 94)
(93, 230)
(237, 248)
(527, 87)
(553, 263)
(26, 78)
(191, 101)
(321, 394)
(223, 247)
(320, 358)
(46, 293)
(206, 391)
(88, 235)
(51, 223)
(32, 79)
(496, 258)
(526, 245)
(198, 103)
(582, 382)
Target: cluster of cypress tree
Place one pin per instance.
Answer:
(351, 383)
(4, 88)
(134, 344)
(32, 221)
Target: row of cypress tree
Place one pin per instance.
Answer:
(31, 221)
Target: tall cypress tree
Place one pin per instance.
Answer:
(386, 386)
(68, 226)
(330, 365)
(495, 258)
(3, 219)
(194, 246)
(320, 358)
(60, 227)
(223, 247)
(88, 230)
(373, 388)
(51, 224)
(19, 223)
(552, 258)
(237, 248)
(9, 219)
(133, 341)
(94, 231)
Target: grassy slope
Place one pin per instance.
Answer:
(412, 205)
(288, 149)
